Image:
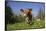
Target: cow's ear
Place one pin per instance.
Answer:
(21, 10)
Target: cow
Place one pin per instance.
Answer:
(28, 14)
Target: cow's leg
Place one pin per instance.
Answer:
(30, 21)
(26, 21)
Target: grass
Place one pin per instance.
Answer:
(23, 25)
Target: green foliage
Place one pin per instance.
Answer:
(23, 25)
(20, 23)
(19, 18)
(8, 13)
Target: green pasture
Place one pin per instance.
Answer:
(22, 25)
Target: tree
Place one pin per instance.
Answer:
(8, 14)
(41, 14)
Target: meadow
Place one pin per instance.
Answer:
(22, 25)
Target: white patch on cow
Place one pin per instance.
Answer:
(27, 19)
(24, 14)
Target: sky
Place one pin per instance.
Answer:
(16, 6)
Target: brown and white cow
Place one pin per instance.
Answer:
(28, 14)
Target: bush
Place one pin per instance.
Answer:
(19, 18)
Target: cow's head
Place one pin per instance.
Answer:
(24, 12)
